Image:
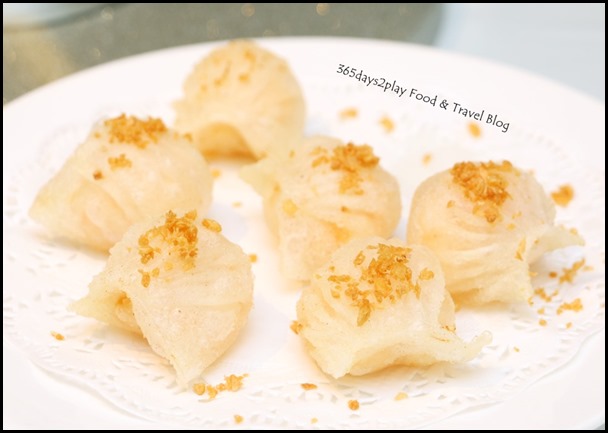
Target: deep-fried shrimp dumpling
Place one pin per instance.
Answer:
(487, 222)
(241, 100)
(127, 170)
(181, 284)
(319, 196)
(379, 303)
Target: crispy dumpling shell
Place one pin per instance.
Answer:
(487, 222)
(241, 100)
(379, 303)
(127, 170)
(319, 196)
(181, 284)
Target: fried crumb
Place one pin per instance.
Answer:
(353, 404)
(521, 249)
(542, 322)
(568, 325)
(212, 225)
(542, 294)
(450, 204)
(426, 274)
(57, 336)
(237, 204)
(289, 207)
(216, 172)
(199, 388)
(314, 420)
(253, 258)
(145, 278)
(552, 274)
(511, 226)
(563, 196)
(532, 274)
(359, 259)
(426, 158)
(575, 306)
(121, 161)
(387, 277)
(568, 274)
(351, 160)
(131, 130)
(212, 391)
(97, 174)
(179, 235)
(296, 327)
(484, 185)
(474, 129)
(401, 396)
(231, 383)
(541, 310)
(449, 328)
(516, 349)
(349, 113)
(308, 386)
(238, 419)
(234, 382)
(387, 124)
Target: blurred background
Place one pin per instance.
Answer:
(43, 42)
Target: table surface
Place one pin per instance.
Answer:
(565, 43)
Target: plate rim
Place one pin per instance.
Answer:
(25, 99)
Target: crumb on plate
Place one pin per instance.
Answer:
(387, 124)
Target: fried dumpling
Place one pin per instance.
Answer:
(379, 303)
(487, 222)
(241, 100)
(319, 196)
(127, 170)
(181, 284)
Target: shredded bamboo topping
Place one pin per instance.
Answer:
(386, 277)
(178, 236)
(131, 130)
(484, 184)
(349, 159)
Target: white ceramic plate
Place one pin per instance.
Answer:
(555, 381)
